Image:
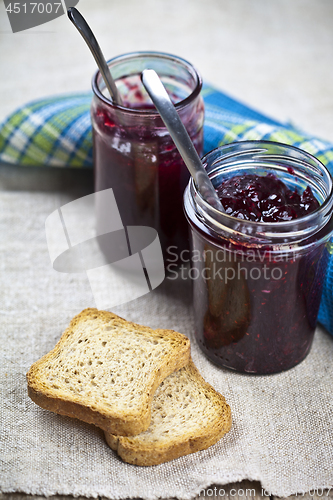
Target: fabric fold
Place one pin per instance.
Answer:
(56, 132)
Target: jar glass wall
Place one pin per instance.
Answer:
(133, 151)
(257, 285)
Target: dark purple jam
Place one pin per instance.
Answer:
(264, 199)
(256, 306)
(136, 157)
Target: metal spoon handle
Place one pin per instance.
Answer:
(178, 132)
(82, 26)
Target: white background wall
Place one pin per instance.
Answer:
(276, 55)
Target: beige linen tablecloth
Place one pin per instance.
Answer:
(282, 430)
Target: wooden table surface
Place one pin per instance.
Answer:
(245, 490)
(290, 77)
(78, 183)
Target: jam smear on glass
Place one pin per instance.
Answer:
(136, 157)
(256, 306)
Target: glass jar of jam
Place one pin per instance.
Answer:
(258, 268)
(133, 151)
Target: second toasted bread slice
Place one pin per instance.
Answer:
(105, 370)
(188, 415)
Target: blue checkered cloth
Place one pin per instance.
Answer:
(57, 132)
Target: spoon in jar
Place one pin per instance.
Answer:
(82, 26)
(178, 132)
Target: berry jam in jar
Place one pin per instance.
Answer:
(133, 151)
(259, 267)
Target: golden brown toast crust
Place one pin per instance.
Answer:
(127, 422)
(138, 451)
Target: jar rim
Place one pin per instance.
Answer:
(296, 229)
(136, 55)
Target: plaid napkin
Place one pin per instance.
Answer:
(53, 132)
(57, 132)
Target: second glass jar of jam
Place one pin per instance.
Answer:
(258, 268)
(133, 151)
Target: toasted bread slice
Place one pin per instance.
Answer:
(105, 370)
(188, 415)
